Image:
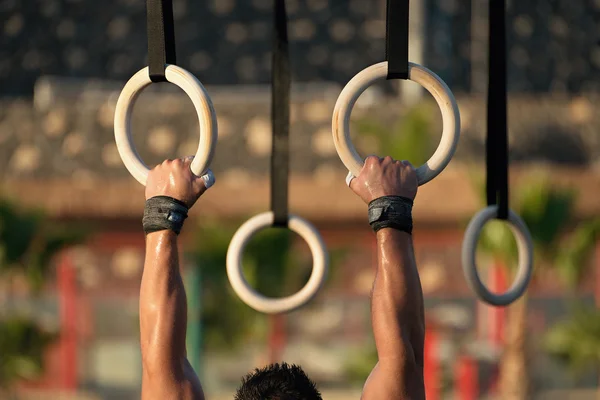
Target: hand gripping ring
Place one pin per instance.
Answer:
(253, 298)
(434, 85)
(524, 246)
(202, 103)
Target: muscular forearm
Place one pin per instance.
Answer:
(163, 306)
(397, 299)
(397, 312)
(171, 190)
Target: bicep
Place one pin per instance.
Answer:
(180, 383)
(395, 381)
(193, 381)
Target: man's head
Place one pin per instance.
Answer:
(278, 382)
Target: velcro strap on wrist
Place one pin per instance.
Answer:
(164, 213)
(391, 212)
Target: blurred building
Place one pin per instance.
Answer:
(63, 63)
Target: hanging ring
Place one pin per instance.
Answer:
(204, 108)
(419, 74)
(276, 305)
(525, 263)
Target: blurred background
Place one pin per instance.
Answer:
(72, 246)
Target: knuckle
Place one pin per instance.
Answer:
(371, 160)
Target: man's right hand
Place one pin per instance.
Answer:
(175, 179)
(385, 177)
(397, 311)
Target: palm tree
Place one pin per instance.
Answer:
(548, 211)
(576, 341)
(28, 243)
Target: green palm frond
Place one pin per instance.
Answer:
(547, 211)
(575, 342)
(572, 261)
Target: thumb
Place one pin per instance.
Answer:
(207, 180)
(204, 182)
(351, 182)
(349, 178)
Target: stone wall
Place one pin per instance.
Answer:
(73, 137)
(552, 45)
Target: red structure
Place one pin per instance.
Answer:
(67, 292)
(432, 366)
(467, 386)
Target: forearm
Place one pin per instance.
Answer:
(397, 301)
(163, 305)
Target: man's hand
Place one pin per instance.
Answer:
(175, 179)
(385, 177)
(397, 312)
(167, 374)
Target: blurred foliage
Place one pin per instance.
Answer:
(573, 259)
(548, 211)
(576, 341)
(28, 242)
(270, 266)
(22, 348)
(408, 138)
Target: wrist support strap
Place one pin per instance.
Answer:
(391, 212)
(164, 213)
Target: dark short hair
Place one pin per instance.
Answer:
(278, 382)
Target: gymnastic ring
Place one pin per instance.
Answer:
(419, 74)
(204, 108)
(525, 263)
(267, 304)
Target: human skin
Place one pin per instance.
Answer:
(167, 373)
(397, 311)
(396, 301)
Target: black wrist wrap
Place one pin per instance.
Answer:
(164, 213)
(391, 212)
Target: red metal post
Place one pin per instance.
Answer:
(431, 368)
(67, 292)
(277, 337)
(467, 385)
(497, 314)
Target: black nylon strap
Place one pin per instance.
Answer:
(280, 116)
(396, 40)
(161, 38)
(497, 138)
